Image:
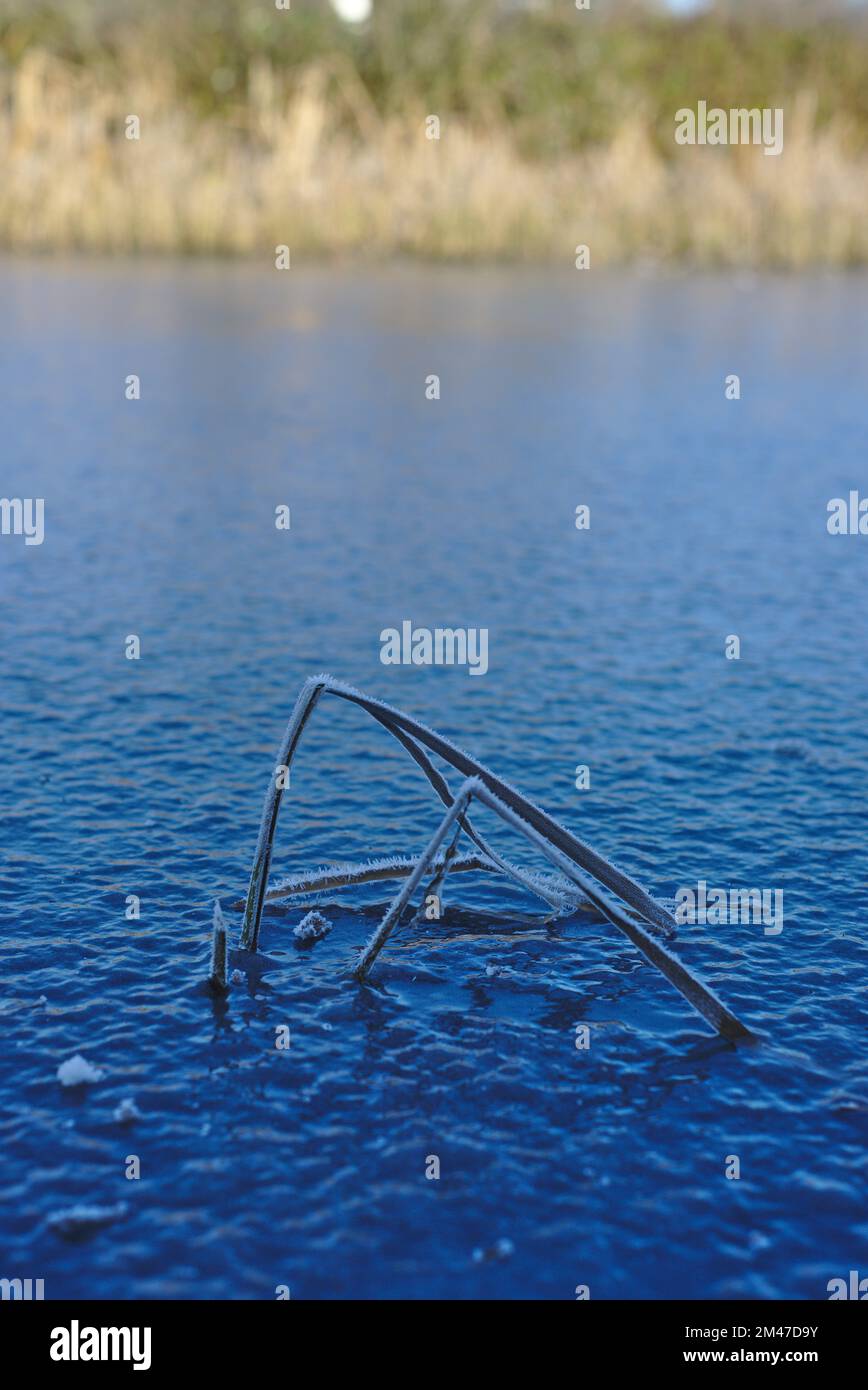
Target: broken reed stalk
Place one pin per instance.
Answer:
(217, 977)
(441, 787)
(398, 724)
(435, 887)
(405, 893)
(699, 995)
(349, 875)
(607, 887)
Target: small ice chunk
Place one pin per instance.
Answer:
(127, 1111)
(75, 1071)
(82, 1219)
(313, 927)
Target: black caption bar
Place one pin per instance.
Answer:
(157, 1339)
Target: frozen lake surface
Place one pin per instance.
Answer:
(306, 1168)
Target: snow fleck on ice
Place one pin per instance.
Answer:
(77, 1072)
(127, 1111)
(313, 927)
(82, 1220)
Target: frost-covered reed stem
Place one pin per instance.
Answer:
(703, 1000)
(423, 864)
(217, 978)
(607, 887)
(411, 733)
(435, 887)
(697, 994)
(308, 696)
(349, 875)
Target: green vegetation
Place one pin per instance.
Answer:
(261, 126)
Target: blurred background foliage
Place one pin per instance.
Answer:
(560, 78)
(551, 82)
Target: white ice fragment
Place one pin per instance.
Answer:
(75, 1071)
(313, 927)
(127, 1111)
(82, 1219)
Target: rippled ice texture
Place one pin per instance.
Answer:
(307, 1167)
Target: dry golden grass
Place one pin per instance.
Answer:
(318, 168)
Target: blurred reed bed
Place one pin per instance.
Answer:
(315, 137)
